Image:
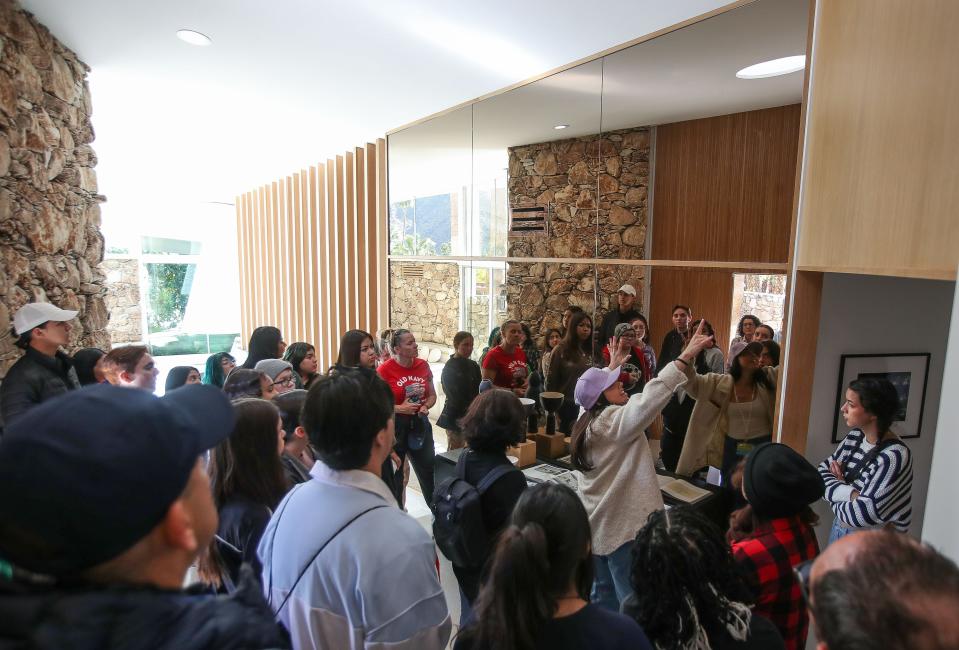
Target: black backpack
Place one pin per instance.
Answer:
(458, 528)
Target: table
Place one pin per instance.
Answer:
(714, 507)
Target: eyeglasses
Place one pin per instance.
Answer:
(284, 382)
(802, 571)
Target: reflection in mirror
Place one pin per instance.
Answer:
(550, 175)
(430, 178)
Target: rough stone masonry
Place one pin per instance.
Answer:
(50, 241)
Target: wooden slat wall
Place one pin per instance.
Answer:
(312, 248)
(708, 293)
(724, 187)
(880, 194)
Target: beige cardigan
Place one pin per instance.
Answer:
(708, 423)
(622, 489)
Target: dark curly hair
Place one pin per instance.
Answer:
(494, 421)
(878, 397)
(685, 580)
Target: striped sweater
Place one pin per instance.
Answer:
(884, 486)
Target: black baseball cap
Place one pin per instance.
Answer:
(86, 475)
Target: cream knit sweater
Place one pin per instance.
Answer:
(621, 490)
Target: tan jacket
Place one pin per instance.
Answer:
(708, 424)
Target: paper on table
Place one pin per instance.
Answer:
(714, 476)
(683, 491)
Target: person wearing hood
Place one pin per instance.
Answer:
(779, 485)
(84, 568)
(618, 484)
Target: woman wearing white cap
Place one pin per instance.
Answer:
(618, 483)
(44, 371)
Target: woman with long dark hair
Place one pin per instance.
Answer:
(411, 381)
(711, 359)
(357, 350)
(536, 593)
(218, 367)
(460, 379)
(733, 412)
(687, 592)
(618, 483)
(869, 476)
(248, 482)
(641, 327)
(266, 342)
(181, 376)
(87, 362)
(302, 356)
(569, 360)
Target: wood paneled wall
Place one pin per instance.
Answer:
(708, 293)
(312, 251)
(879, 192)
(724, 187)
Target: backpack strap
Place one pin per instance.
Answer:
(492, 476)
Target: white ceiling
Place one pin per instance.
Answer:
(686, 74)
(289, 82)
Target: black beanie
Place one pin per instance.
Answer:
(779, 482)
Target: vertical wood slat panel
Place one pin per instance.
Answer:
(302, 268)
(312, 250)
(329, 275)
(341, 270)
(349, 242)
(382, 235)
(259, 241)
(290, 327)
(362, 242)
(241, 260)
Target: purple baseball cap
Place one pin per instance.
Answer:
(591, 385)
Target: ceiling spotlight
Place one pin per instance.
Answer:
(559, 127)
(773, 68)
(193, 38)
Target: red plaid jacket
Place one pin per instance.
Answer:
(766, 560)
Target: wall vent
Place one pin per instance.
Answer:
(411, 271)
(527, 221)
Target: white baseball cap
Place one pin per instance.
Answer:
(628, 288)
(37, 313)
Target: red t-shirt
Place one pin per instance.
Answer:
(510, 368)
(414, 381)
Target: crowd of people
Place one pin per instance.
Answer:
(282, 487)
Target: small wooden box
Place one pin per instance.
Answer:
(553, 446)
(525, 451)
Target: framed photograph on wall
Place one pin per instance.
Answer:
(908, 372)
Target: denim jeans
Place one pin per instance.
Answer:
(839, 531)
(414, 438)
(611, 584)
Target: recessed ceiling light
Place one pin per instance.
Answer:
(193, 38)
(561, 126)
(773, 68)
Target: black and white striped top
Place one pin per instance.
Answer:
(884, 486)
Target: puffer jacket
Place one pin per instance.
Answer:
(137, 618)
(33, 379)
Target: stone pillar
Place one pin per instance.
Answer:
(50, 241)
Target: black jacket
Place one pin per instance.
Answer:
(135, 618)
(242, 523)
(461, 379)
(35, 378)
(613, 318)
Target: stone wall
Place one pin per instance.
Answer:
(596, 190)
(428, 304)
(763, 296)
(123, 300)
(50, 243)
